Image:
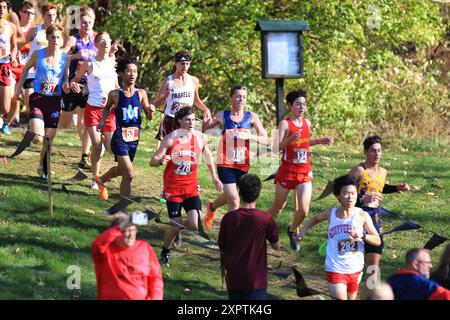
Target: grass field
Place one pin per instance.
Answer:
(36, 250)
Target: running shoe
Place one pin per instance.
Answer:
(104, 194)
(164, 257)
(209, 216)
(40, 172)
(5, 129)
(84, 163)
(94, 185)
(293, 240)
(177, 242)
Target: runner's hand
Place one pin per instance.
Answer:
(327, 140)
(355, 234)
(13, 62)
(19, 94)
(301, 235)
(76, 87)
(207, 117)
(66, 87)
(165, 159)
(403, 187)
(293, 137)
(218, 184)
(242, 135)
(82, 54)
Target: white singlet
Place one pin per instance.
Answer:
(39, 42)
(5, 43)
(101, 81)
(343, 254)
(183, 95)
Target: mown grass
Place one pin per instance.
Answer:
(36, 249)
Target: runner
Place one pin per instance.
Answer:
(81, 47)
(181, 151)
(348, 228)
(45, 102)
(178, 90)
(27, 14)
(371, 179)
(233, 155)
(295, 172)
(127, 104)
(38, 40)
(101, 79)
(8, 54)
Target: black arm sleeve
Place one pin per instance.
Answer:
(388, 188)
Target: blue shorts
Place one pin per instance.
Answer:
(229, 175)
(122, 148)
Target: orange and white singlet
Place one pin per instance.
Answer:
(181, 170)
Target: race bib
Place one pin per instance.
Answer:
(300, 155)
(130, 134)
(49, 88)
(237, 154)
(346, 246)
(183, 168)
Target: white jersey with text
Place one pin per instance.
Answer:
(344, 255)
(184, 95)
(101, 81)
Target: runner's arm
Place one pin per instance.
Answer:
(312, 222)
(69, 45)
(372, 237)
(217, 119)
(149, 109)
(324, 140)
(66, 84)
(162, 94)
(160, 157)
(261, 134)
(280, 141)
(30, 64)
(30, 35)
(199, 103)
(13, 45)
(209, 160)
(112, 100)
(74, 83)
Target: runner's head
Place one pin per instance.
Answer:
(249, 186)
(103, 42)
(128, 69)
(87, 20)
(4, 8)
(55, 36)
(182, 62)
(49, 14)
(238, 96)
(296, 101)
(27, 12)
(345, 188)
(186, 118)
(373, 149)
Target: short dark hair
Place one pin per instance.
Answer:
(123, 63)
(53, 28)
(26, 4)
(294, 95)
(235, 88)
(249, 187)
(343, 181)
(372, 140)
(412, 254)
(182, 56)
(183, 112)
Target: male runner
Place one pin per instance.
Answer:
(180, 89)
(295, 172)
(181, 151)
(127, 104)
(233, 154)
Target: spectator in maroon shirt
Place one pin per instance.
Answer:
(242, 242)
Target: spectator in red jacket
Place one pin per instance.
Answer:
(126, 268)
(412, 283)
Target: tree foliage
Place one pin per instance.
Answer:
(367, 63)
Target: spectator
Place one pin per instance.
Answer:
(412, 283)
(126, 268)
(242, 242)
(442, 273)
